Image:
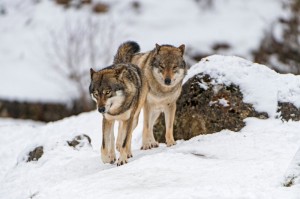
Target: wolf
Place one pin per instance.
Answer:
(164, 68)
(119, 92)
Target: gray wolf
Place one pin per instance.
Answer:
(119, 92)
(164, 68)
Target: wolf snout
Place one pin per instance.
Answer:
(167, 81)
(101, 109)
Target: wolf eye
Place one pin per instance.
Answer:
(95, 94)
(107, 92)
(161, 66)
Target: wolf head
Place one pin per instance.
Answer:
(107, 89)
(168, 65)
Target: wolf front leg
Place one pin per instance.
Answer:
(121, 137)
(150, 116)
(169, 120)
(126, 141)
(107, 149)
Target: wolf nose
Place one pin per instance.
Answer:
(167, 81)
(101, 109)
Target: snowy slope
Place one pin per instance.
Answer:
(26, 70)
(248, 164)
(251, 163)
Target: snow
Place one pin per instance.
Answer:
(292, 176)
(252, 163)
(260, 85)
(247, 164)
(26, 69)
(221, 101)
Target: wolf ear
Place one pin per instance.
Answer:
(92, 72)
(157, 47)
(182, 48)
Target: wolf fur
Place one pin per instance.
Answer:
(164, 68)
(119, 92)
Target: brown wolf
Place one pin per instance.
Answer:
(119, 92)
(164, 69)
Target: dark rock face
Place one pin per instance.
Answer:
(205, 107)
(36, 154)
(79, 141)
(288, 111)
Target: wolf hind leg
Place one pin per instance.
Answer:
(128, 148)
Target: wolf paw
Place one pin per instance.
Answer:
(149, 145)
(170, 143)
(122, 161)
(129, 155)
(109, 159)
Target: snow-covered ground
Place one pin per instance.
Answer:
(246, 164)
(25, 42)
(252, 163)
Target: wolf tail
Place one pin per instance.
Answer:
(126, 51)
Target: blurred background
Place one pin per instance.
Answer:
(48, 46)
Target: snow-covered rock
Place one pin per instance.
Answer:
(260, 85)
(221, 91)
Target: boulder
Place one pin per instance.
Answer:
(35, 154)
(205, 107)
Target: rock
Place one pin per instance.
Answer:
(205, 107)
(36, 154)
(80, 141)
(288, 111)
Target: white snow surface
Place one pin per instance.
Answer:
(252, 163)
(292, 175)
(260, 85)
(26, 69)
(246, 164)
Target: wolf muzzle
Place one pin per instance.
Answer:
(167, 81)
(101, 109)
